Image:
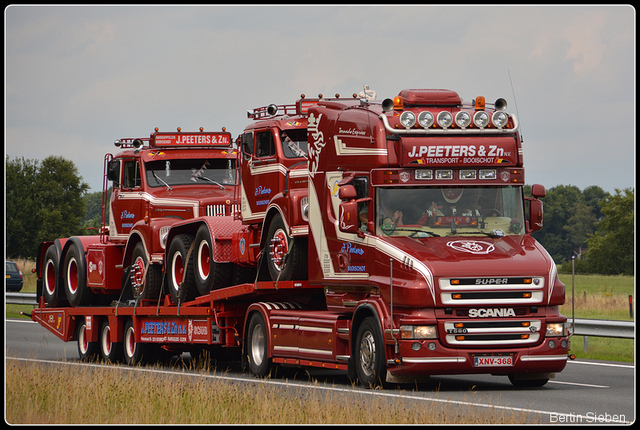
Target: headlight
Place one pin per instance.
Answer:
(500, 119)
(445, 119)
(425, 119)
(418, 332)
(481, 119)
(556, 330)
(304, 208)
(463, 119)
(407, 119)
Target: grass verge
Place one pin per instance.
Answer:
(60, 394)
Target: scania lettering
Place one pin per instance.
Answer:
(485, 313)
(387, 239)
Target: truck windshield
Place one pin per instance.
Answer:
(294, 143)
(449, 211)
(167, 173)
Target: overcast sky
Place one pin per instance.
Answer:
(77, 78)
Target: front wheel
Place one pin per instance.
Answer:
(146, 279)
(369, 354)
(286, 256)
(257, 344)
(524, 381)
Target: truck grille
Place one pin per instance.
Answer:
(220, 210)
(491, 333)
(492, 291)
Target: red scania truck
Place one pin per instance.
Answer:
(388, 239)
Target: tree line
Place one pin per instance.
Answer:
(48, 200)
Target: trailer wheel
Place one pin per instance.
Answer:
(209, 274)
(134, 352)
(369, 354)
(86, 350)
(150, 288)
(286, 257)
(180, 269)
(75, 278)
(50, 288)
(257, 344)
(109, 351)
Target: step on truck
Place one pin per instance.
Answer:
(391, 240)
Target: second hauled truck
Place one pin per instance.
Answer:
(388, 239)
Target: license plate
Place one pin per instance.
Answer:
(505, 361)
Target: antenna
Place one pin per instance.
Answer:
(515, 102)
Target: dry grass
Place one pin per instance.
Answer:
(63, 394)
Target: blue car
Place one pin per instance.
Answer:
(13, 277)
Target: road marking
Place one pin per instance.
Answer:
(625, 366)
(579, 385)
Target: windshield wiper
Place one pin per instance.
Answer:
(416, 231)
(204, 178)
(490, 234)
(160, 180)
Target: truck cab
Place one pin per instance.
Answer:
(417, 217)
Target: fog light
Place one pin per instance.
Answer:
(564, 343)
(432, 346)
(415, 346)
(552, 344)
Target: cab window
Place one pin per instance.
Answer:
(265, 146)
(131, 174)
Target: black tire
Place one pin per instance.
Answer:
(51, 277)
(87, 351)
(286, 257)
(180, 269)
(111, 352)
(209, 275)
(150, 289)
(135, 353)
(369, 356)
(75, 277)
(527, 383)
(257, 346)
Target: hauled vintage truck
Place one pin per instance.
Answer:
(388, 239)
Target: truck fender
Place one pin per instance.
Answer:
(261, 308)
(366, 309)
(272, 211)
(82, 242)
(221, 229)
(134, 238)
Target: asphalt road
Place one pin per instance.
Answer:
(586, 392)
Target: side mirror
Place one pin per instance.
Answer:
(347, 192)
(538, 191)
(535, 215)
(348, 217)
(113, 171)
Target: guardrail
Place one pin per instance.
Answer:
(581, 327)
(20, 298)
